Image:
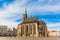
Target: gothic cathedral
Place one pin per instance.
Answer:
(31, 27)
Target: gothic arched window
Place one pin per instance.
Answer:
(34, 29)
(40, 27)
(22, 29)
(30, 29)
(27, 29)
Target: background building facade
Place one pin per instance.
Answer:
(54, 33)
(3, 30)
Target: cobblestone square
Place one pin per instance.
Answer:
(29, 38)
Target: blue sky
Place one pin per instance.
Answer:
(11, 12)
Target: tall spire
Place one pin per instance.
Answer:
(25, 11)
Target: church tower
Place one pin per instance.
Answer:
(24, 15)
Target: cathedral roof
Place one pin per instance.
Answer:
(31, 20)
(42, 22)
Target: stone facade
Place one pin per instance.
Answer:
(31, 27)
(53, 33)
(3, 30)
(9, 32)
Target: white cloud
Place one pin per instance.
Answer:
(54, 26)
(9, 11)
(17, 7)
(46, 8)
(10, 24)
(50, 6)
